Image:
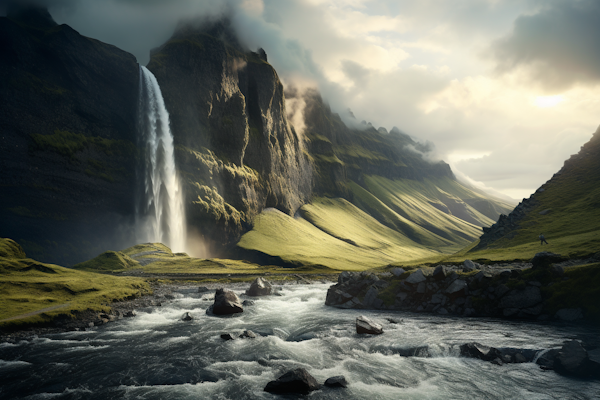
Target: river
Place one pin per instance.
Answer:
(156, 355)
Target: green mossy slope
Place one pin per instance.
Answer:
(28, 286)
(566, 209)
(333, 233)
(388, 221)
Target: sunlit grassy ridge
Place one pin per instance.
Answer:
(570, 213)
(27, 286)
(388, 222)
(333, 233)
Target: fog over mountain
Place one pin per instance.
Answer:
(505, 89)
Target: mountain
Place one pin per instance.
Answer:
(68, 147)
(377, 200)
(566, 209)
(234, 146)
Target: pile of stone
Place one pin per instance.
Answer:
(489, 292)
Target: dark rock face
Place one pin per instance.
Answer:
(259, 287)
(365, 325)
(295, 381)
(226, 302)
(68, 125)
(234, 145)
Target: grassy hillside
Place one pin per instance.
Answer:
(566, 209)
(28, 286)
(388, 221)
(156, 258)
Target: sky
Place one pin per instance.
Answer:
(506, 90)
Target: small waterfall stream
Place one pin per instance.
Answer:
(160, 213)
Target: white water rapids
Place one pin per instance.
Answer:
(156, 355)
(160, 213)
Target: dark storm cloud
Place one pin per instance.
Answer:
(558, 44)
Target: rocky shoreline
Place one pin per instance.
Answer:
(127, 308)
(471, 290)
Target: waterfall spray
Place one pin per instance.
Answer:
(159, 213)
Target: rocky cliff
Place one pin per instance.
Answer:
(234, 146)
(68, 128)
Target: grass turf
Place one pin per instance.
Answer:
(27, 286)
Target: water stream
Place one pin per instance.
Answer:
(156, 355)
(160, 213)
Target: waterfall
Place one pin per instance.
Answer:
(160, 213)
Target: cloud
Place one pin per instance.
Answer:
(558, 45)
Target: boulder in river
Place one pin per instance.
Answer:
(227, 336)
(248, 334)
(187, 317)
(295, 381)
(477, 350)
(259, 287)
(365, 325)
(226, 302)
(573, 359)
(337, 382)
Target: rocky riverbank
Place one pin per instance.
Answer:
(516, 290)
(161, 292)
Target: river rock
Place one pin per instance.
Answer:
(546, 359)
(337, 382)
(226, 302)
(477, 350)
(365, 325)
(528, 297)
(440, 272)
(248, 334)
(187, 317)
(259, 287)
(203, 289)
(457, 288)
(469, 265)
(295, 381)
(569, 314)
(573, 359)
(416, 277)
(227, 336)
(544, 259)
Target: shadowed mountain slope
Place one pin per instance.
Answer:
(68, 129)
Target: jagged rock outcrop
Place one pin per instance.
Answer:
(234, 145)
(68, 126)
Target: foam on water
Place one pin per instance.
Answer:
(158, 356)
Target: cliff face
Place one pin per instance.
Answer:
(68, 127)
(234, 146)
(341, 152)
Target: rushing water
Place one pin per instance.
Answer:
(160, 212)
(156, 355)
